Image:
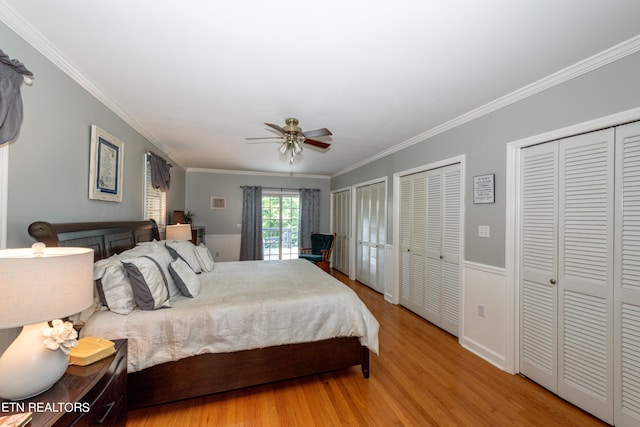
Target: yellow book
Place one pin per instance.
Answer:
(90, 350)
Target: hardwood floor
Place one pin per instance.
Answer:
(422, 377)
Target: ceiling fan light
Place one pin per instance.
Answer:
(283, 148)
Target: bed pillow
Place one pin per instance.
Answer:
(186, 250)
(205, 259)
(185, 278)
(148, 281)
(114, 289)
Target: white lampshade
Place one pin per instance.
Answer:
(38, 285)
(179, 232)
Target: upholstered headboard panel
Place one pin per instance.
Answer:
(105, 238)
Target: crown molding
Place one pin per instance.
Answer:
(256, 173)
(598, 60)
(33, 37)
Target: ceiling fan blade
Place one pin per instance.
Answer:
(276, 127)
(318, 144)
(317, 132)
(265, 137)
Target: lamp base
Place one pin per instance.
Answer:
(28, 367)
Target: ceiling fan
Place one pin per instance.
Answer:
(292, 137)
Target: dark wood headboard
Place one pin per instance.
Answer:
(105, 238)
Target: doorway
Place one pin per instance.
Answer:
(280, 225)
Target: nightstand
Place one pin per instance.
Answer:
(197, 234)
(85, 395)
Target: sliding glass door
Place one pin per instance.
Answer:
(280, 219)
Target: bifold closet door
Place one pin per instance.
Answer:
(371, 234)
(429, 273)
(627, 277)
(342, 228)
(443, 247)
(413, 235)
(567, 269)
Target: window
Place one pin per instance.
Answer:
(280, 218)
(155, 201)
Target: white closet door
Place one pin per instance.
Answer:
(371, 235)
(451, 218)
(341, 226)
(443, 217)
(627, 277)
(566, 284)
(412, 242)
(434, 247)
(538, 264)
(430, 224)
(585, 272)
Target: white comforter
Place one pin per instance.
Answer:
(242, 305)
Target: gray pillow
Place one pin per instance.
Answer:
(148, 281)
(185, 278)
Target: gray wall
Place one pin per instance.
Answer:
(200, 186)
(607, 90)
(49, 161)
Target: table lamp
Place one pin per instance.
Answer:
(179, 232)
(39, 284)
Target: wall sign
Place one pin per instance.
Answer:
(484, 188)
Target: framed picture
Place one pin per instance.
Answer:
(105, 166)
(218, 203)
(484, 188)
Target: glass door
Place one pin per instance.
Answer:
(280, 219)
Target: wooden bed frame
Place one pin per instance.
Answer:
(207, 373)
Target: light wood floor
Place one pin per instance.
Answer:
(422, 377)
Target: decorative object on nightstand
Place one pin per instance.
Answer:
(179, 232)
(37, 285)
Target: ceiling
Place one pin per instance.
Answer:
(197, 77)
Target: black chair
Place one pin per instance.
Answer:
(320, 251)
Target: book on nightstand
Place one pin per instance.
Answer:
(15, 420)
(90, 350)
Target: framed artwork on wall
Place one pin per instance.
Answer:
(105, 166)
(484, 189)
(218, 202)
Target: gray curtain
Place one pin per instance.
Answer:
(309, 215)
(12, 74)
(251, 236)
(160, 172)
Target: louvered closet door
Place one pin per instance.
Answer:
(451, 218)
(412, 242)
(371, 235)
(567, 311)
(627, 277)
(538, 264)
(341, 226)
(585, 272)
(443, 247)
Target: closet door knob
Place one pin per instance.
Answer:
(552, 281)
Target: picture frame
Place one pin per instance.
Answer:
(484, 189)
(105, 166)
(219, 203)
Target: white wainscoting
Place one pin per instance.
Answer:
(223, 247)
(487, 326)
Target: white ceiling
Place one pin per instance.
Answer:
(197, 77)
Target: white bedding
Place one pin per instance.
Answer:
(241, 306)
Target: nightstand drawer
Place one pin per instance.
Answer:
(108, 399)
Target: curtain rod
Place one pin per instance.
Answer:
(275, 188)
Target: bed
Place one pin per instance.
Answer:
(173, 371)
